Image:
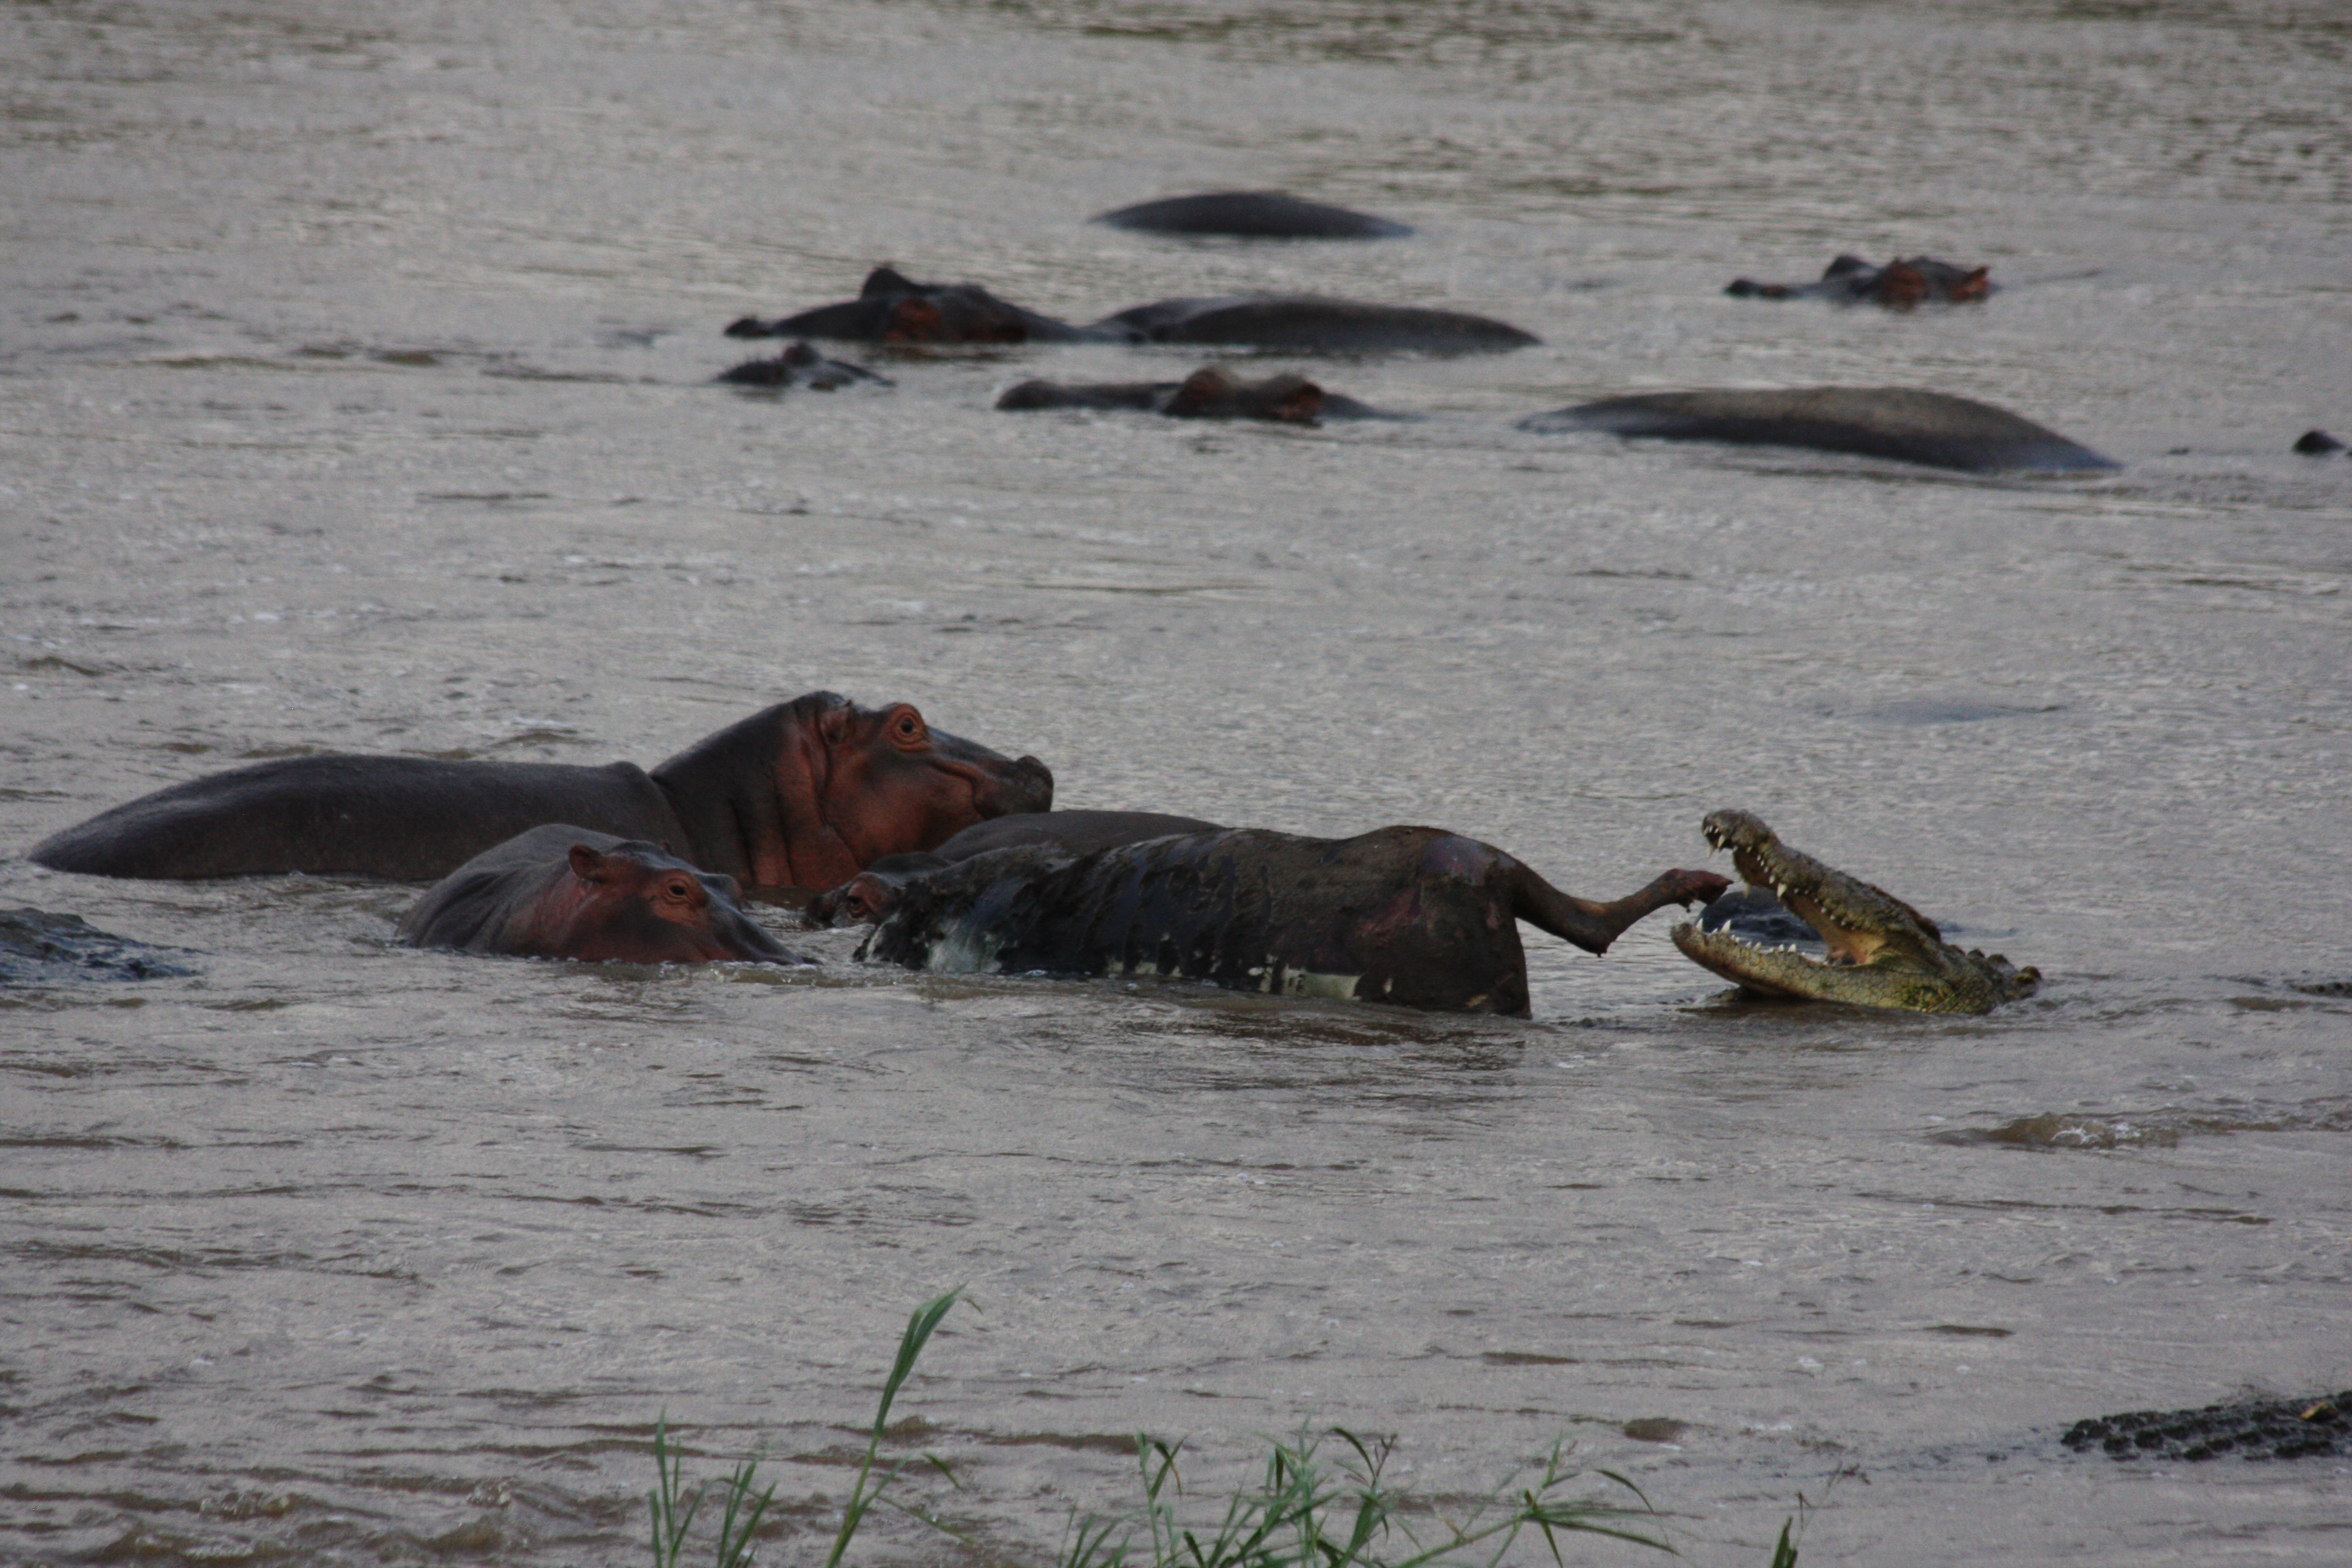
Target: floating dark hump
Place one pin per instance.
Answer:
(1910, 427)
(1252, 214)
(1315, 323)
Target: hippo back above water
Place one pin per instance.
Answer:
(1904, 423)
(1313, 323)
(801, 795)
(1251, 215)
(562, 891)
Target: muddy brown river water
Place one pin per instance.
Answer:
(354, 395)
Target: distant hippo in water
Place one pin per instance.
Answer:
(1910, 427)
(892, 308)
(1251, 215)
(1414, 917)
(801, 795)
(801, 366)
(866, 896)
(1314, 323)
(1209, 393)
(1902, 283)
(562, 891)
(2316, 444)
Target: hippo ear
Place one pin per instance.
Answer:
(586, 863)
(832, 725)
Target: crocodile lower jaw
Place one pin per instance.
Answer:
(1789, 972)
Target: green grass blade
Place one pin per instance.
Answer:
(919, 1325)
(670, 1523)
(744, 1511)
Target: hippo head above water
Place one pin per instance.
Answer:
(802, 795)
(562, 891)
(807, 794)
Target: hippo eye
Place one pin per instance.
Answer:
(907, 726)
(677, 890)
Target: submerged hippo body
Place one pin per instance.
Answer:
(1907, 426)
(1413, 917)
(1901, 284)
(1208, 393)
(1251, 215)
(801, 795)
(801, 366)
(38, 948)
(562, 891)
(1313, 323)
(892, 308)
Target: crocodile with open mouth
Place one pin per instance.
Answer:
(1880, 952)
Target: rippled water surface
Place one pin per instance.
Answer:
(354, 395)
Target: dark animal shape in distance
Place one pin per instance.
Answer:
(1252, 214)
(892, 308)
(801, 366)
(1930, 427)
(38, 948)
(1901, 284)
(1313, 323)
(1413, 917)
(800, 795)
(866, 896)
(2314, 1427)
(562, 891)
(1208, 393)
(1879, 952)
(2316, 444)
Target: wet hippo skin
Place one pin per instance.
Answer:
(800, 365)
(566, 891)
(804, 794)
(1903, 283)
(892, 308)
(1313, 323)
(1251, 215)
(1909, 426)
(40, 948)
(1209, 393)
